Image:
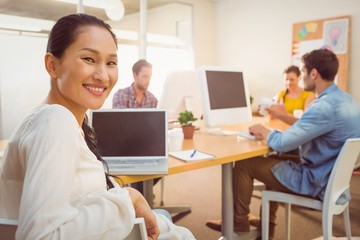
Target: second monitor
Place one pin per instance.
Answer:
(225, 96)
(181, 92)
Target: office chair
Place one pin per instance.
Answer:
(338, 184)
(8, 229)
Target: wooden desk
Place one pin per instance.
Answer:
(227, 150)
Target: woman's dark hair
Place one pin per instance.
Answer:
(62, 35)
(293, 69)
(324, 61)
(66, 30)
(90, 138)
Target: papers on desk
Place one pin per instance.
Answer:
(191, 155)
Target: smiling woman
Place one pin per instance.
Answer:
(53, 178)
(83, 75)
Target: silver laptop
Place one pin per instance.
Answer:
(132, 141)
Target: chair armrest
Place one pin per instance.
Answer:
(139, 230)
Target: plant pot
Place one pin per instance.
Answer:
(188, 131)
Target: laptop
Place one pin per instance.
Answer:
(132, 141)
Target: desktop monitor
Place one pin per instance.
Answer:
(225, 96)
(181, 92)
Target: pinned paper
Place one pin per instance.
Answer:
(303, 32)
(308, 28)
(311, 27)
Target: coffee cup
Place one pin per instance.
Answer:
(265, 103)
(175, 137)
(298, 113)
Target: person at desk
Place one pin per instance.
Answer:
(321, 132)
(52, 178)
(290, 99)
(137, 95)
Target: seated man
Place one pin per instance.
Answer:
(137, 95)
(321, 132)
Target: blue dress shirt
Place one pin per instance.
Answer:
(320, 134)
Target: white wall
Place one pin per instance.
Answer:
(256, 36)
(23, 79)
(203, 26)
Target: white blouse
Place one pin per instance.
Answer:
(54, 185)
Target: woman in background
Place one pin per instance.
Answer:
(290, 99)
(53, 178)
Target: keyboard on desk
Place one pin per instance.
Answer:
(218, 131)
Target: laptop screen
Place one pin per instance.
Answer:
(130, 132)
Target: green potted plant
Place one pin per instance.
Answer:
(251, 99)
(186, 119)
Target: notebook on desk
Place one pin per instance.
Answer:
(132, 141)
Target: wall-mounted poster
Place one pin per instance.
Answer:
(336, 35)
(332, 33)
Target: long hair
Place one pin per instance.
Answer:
(90, 138)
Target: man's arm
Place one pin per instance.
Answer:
(259, 131)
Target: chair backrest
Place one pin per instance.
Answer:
(8, 229)
(339, 180)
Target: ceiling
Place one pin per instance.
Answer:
(53, 10)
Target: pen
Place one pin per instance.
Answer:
(193, 153)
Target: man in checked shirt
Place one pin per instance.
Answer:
(137, 95)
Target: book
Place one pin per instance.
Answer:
(191, 155)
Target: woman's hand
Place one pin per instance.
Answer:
(277, 111)
(142, 209)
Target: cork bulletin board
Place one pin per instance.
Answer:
(330, 33)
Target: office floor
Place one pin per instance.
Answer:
(202, 190)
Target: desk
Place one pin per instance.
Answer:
(227, 150)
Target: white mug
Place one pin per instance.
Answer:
(298, 113)
(175, 137)
(265, 103)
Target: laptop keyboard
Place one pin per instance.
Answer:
(133, 162)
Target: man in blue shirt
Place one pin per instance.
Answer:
(319, 134)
